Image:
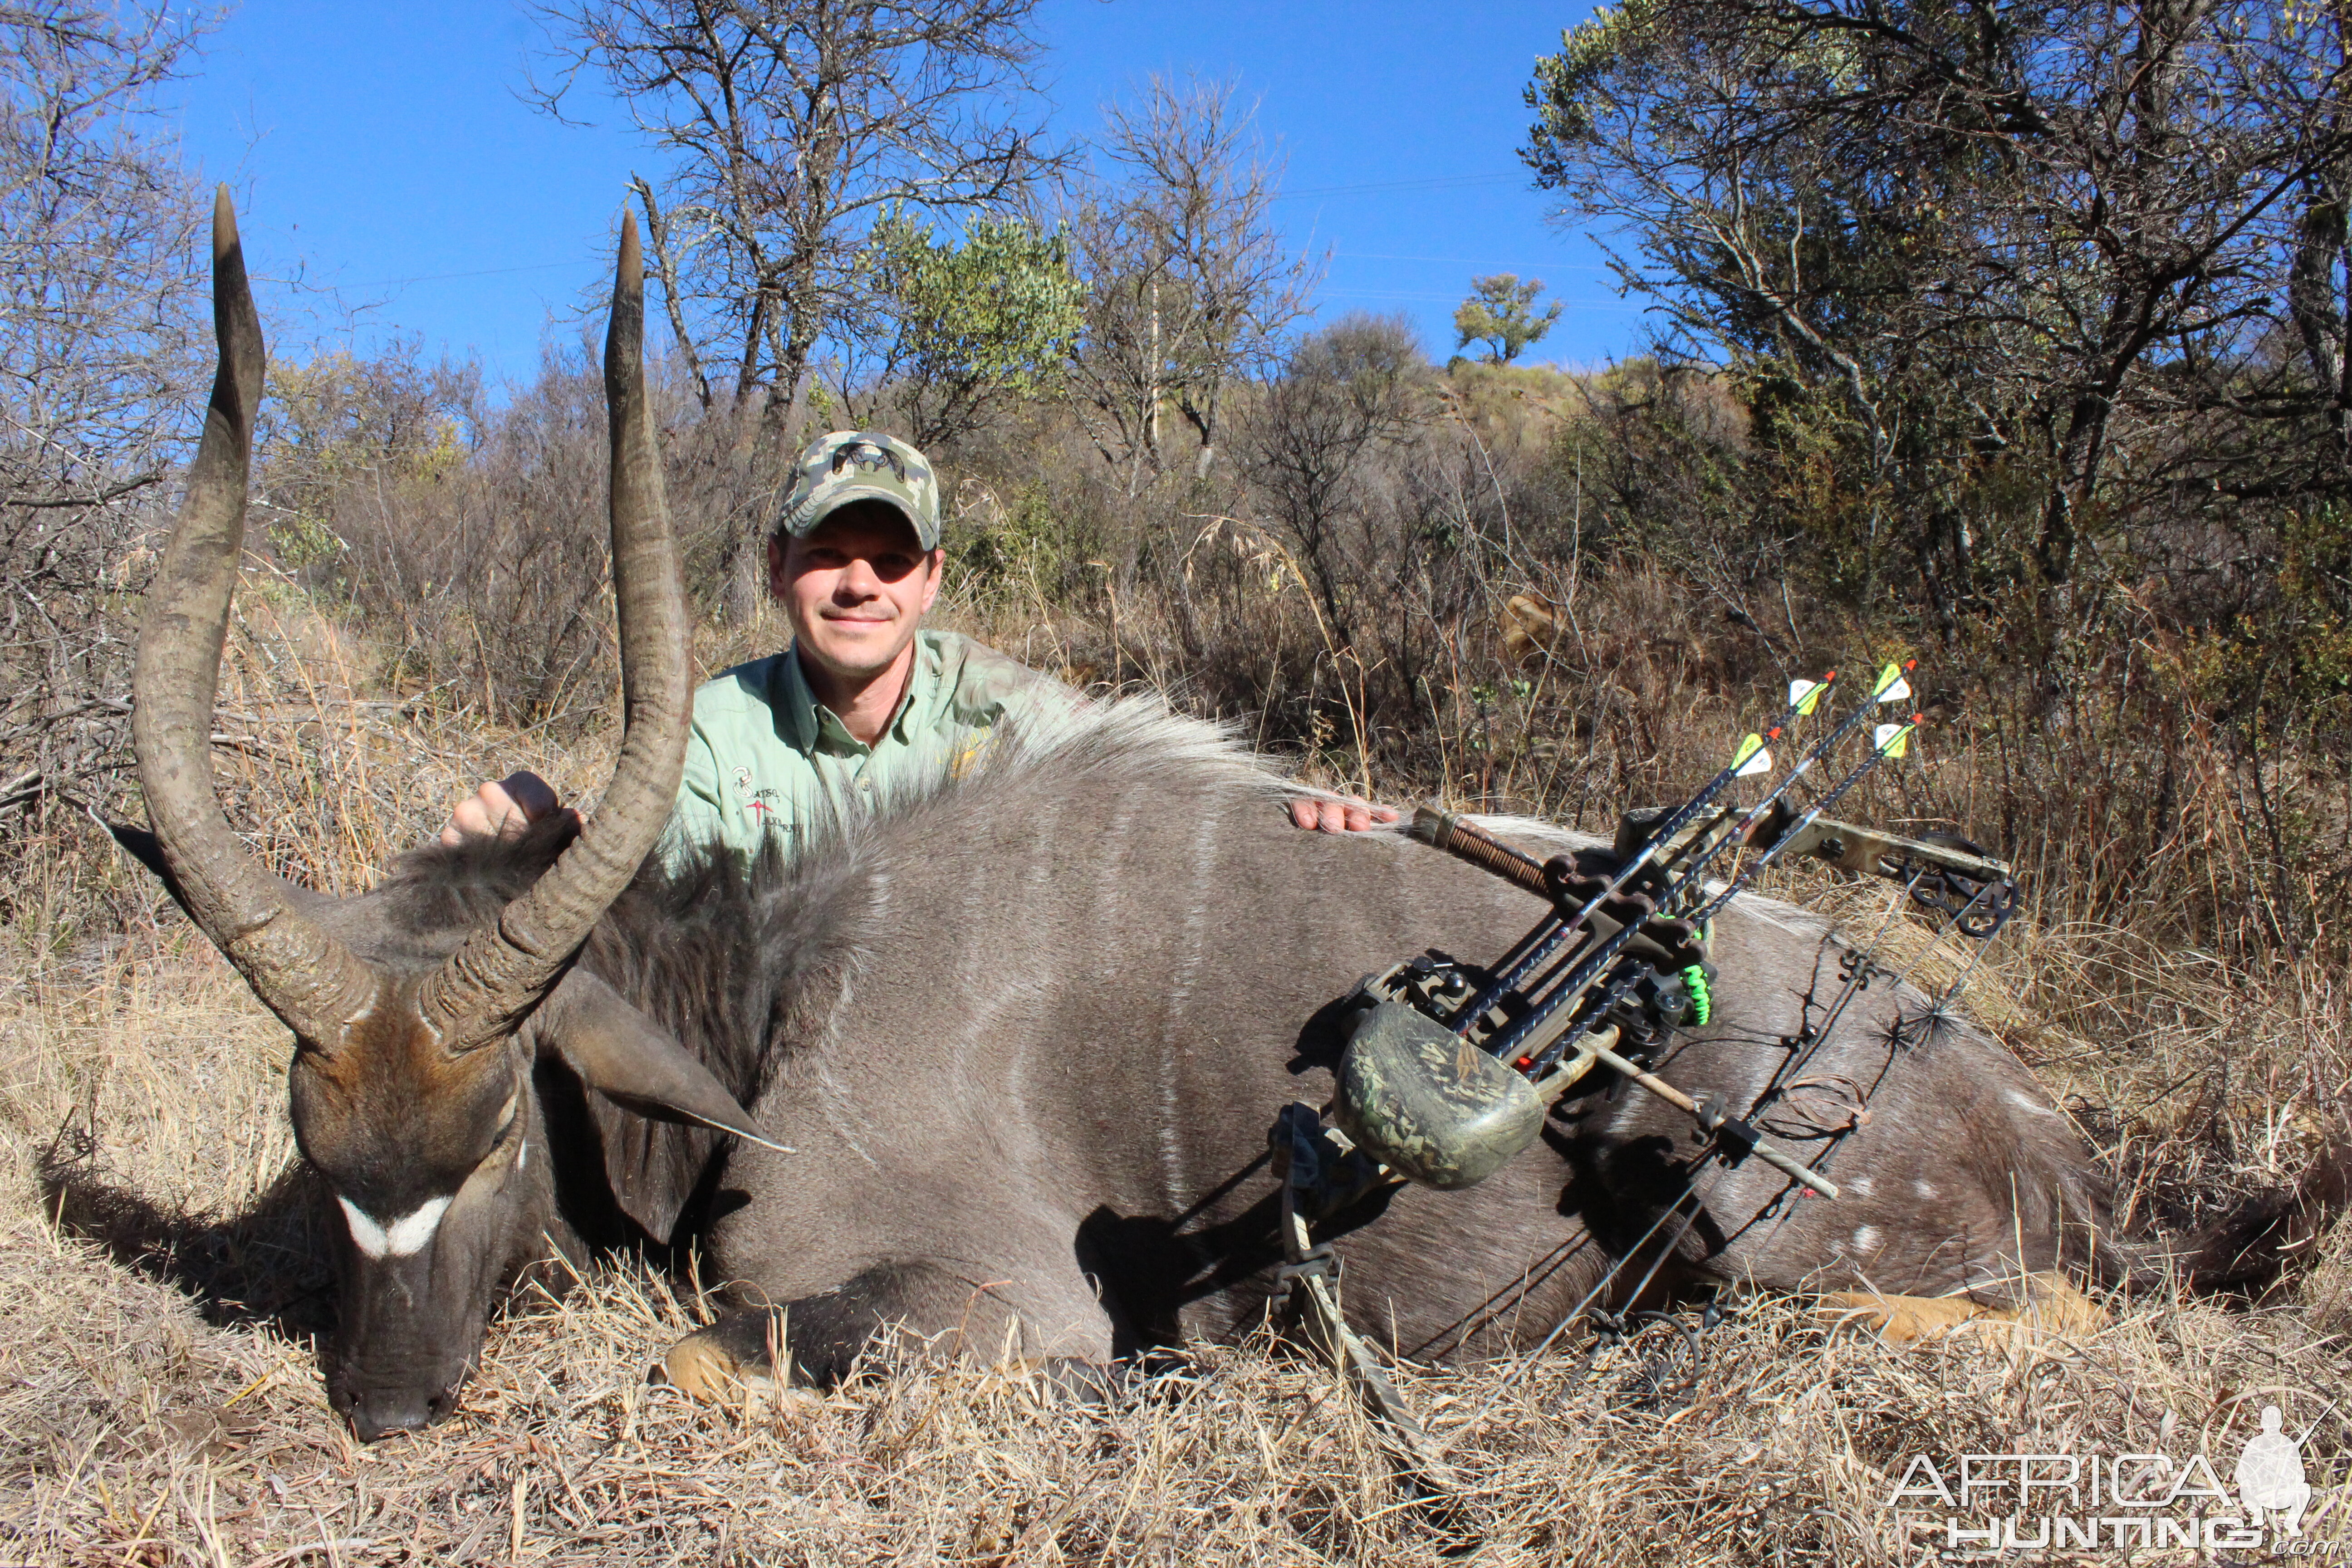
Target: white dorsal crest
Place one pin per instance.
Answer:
(404, 1237)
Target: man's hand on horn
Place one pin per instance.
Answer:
(503, 809)
(1340, 814)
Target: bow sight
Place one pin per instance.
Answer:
(1450, 1071)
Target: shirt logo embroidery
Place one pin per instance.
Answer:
(758, 802)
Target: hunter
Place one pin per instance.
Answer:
(864, 698)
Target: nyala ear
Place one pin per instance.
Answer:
(148, 850)
(637, 1072)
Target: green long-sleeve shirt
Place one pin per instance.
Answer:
(765, 756)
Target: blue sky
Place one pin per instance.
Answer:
(386, 161)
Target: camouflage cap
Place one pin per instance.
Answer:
(862, 465)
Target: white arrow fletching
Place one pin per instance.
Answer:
(1892, 738)
(1896, 692)
(1761, 762)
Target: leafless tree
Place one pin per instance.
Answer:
(1355, 384)
(1192, 285)
(790, 127)
(98, 298)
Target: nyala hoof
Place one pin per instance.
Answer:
(702, 1366)
(714, 1367)
(2052, 1305)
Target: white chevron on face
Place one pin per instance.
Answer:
(403, 1237)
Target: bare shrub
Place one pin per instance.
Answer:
(1193, 289)
(97, 302)
(485, 580)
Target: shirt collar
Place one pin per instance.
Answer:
(807, 723)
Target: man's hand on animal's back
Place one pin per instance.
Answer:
(1348, 816)
(502, 809)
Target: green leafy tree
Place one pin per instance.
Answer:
(1980, 257)
(1501, 315)
(973, 324)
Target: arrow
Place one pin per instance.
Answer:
(1753, 756)
(1890, 740)
(1891, 686)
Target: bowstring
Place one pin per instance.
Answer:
(1854, 984)
(1835, 1141)
(1697, 1203)
(1689, 1203)
(1857, 981)
(1936, 1008)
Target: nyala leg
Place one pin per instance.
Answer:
(815, 1341)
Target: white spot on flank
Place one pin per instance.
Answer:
(1924, 1189)
(1859, 1186)
(404, 1237)
(1867, 1239)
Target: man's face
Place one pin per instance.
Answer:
(855, 588)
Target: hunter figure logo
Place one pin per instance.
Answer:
(2270, 1475)
(868, 456)
(2032, 1502)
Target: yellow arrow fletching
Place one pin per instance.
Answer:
(1892, 687)
(1752, 758)
(1892, 740)
(1805, 696)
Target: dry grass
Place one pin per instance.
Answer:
(160, 1401)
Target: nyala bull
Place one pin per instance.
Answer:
(995, 1064)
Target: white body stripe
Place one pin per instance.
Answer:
(403, 1237)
